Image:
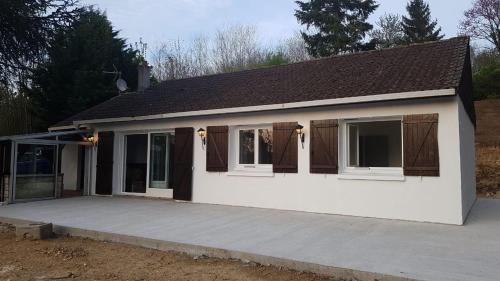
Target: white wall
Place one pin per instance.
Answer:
(69, 166)
(467, 160)
(433, 199)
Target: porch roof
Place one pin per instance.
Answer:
(49, 137)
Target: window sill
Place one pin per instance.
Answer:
(251, 173)
(373, 177)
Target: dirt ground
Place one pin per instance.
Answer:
(67, 258)
(488, 148)
(488, 171)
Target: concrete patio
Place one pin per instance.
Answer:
(314, 242)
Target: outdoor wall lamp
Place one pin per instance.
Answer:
(300, 133)
(92, 139)
(203, 135)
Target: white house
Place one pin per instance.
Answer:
(385, 134)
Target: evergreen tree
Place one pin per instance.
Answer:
(72, 79)
(418, 26)
(26, 31)
(336, 26)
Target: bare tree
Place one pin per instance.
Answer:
(200, 56)
(230, 49)
(482, 21)
(235, 48)
(172, 61)
(389, 32)
(294, 49)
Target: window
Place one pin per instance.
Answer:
(35, 171)
(373, 146)
(254, 147)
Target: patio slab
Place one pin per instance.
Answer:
(421, 251)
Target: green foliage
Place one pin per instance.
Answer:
(486, 76)
(418, 26)
(335, 26)
(26, 31)
(15, 113)
(273, 58)
(72, 79)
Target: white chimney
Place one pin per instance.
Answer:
(144, 72)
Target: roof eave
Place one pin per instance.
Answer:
(293, 105)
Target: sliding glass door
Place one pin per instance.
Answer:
(136, 147)
(35, 171)
(161, 160)
(148, 164)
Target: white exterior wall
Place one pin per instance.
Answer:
(69, 166)
(467, 160)
(432, 199)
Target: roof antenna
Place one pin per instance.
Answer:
(121, 84)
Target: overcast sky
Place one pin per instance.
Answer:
(163, 20)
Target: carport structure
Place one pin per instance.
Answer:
(33, 166)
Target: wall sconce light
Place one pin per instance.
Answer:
(300, 133)
(92, 139)
(203, 135)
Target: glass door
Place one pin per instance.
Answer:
(35, 171)
(136, 153)
(161, 158)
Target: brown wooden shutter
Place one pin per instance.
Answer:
(183, 164)
(324, 147)
(420, 145)
(285, 147)
(217, 147)
(104, 173)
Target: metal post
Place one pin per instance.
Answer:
(12, 176)
(56, 172)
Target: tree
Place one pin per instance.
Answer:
(172, 61)
(26, 31)
(272, 59)
(15, 113)
(418, 26)
(294, 49)
(485, 75)
(72, 78)
(175, 60)
(236, 48)
(335, 26)
(389, 32)
(482, 21)
(230, 49)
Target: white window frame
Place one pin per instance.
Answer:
(150, 138)
(366, 171)
(256, 167)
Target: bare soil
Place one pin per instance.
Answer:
(487, 122)
(488, 171)
(71, 258)
(488, 148)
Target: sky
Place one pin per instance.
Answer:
(163, 20)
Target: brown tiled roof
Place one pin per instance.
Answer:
(427, 66)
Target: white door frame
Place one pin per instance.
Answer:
(121, 166)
